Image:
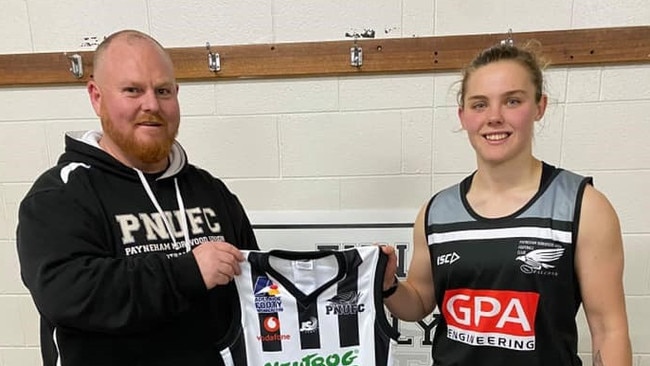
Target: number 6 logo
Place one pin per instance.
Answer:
(271, 324)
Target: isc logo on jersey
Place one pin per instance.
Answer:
(267, 296)
(309, 326)
(493, 318)
(448, 258)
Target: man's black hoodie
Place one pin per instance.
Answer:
(110, 273)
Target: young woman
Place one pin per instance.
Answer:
(510, 253)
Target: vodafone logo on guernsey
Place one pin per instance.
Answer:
(272, 325)
(492, 318)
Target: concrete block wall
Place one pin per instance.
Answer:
(369, 142)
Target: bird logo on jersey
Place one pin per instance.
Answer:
(538, 259)
(267, 296)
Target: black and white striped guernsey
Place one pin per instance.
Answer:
(506, 287)
(312, 308)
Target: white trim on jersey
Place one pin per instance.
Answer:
(501, 233)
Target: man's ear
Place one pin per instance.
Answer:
(95, 96)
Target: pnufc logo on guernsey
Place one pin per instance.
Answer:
(493, 318)
(345, 304)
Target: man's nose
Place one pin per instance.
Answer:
(150, 102)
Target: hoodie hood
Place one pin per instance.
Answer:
(83, 147)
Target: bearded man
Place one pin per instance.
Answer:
(127, 249)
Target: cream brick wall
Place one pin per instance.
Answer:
(368, 142)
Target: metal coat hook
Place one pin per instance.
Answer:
(76, 65)
(356, 52)
(356, 55)
(214, 61)
(509, 41)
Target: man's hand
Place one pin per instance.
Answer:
(218, 262)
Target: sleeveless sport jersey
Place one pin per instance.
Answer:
(507, 287)
(312, 308)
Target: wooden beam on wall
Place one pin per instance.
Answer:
(579, 47)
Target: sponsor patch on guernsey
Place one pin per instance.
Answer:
(491, 318)
(314, 359)
(267, 296)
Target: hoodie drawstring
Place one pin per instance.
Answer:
(181, 207)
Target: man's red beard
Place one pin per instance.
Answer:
(146, 151)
